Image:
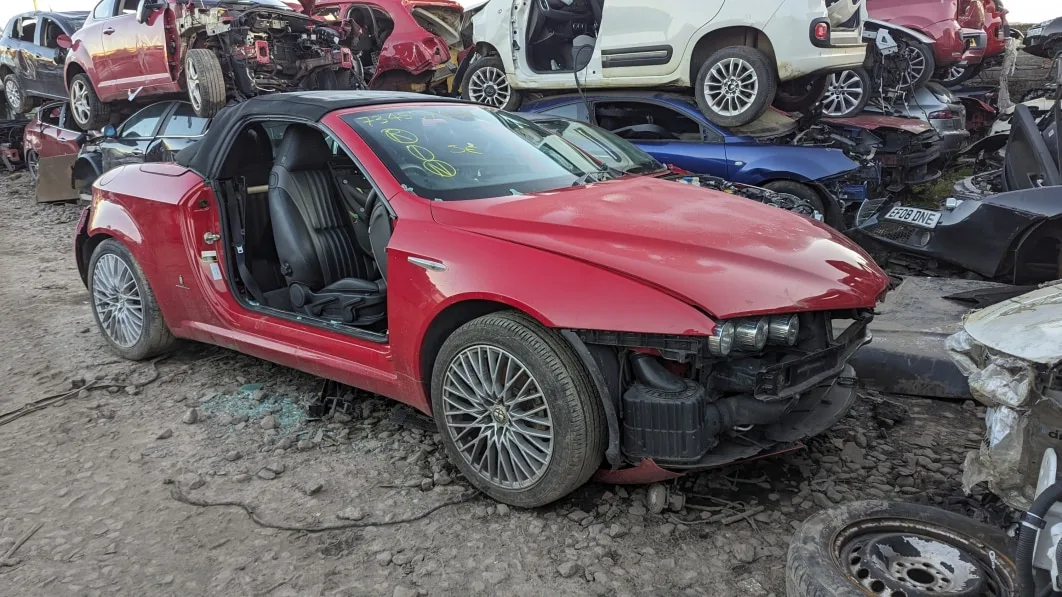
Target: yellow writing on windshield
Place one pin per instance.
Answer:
(426, 156)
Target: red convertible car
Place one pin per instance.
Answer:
(555, 319)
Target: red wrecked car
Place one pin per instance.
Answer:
(997, 31)
(51, 142)
(554, 319)
(212, 51)
(956, 26)
(412, 45)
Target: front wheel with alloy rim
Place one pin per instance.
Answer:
(896, 549)
(920, 66)
(205, 81)
(124, 305)
(847, 93)
(516, 410)
(89, 112)
(33, 164)
(14, 96)
(485, 83)
(735, 86)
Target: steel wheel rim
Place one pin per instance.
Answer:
(116, 296)
(844, 91)
(14, 97)
(79, 102)
(916, 66)
(906, 558)
(194, 93)
(497, 417)
(731, 86)
(32, 164)
(489, 86)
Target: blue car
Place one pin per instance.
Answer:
(671, 128)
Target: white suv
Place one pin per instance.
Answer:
(738, 55)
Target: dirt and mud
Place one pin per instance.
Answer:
(98, 474)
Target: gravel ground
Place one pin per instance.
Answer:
(100, 471)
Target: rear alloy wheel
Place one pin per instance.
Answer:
(33, 165)
(920, 66)
(89, 112)
(124, 305)
(958, 74)
(516, 410)
(847, 93)
(206, 82)
(485, 83)
(14, 96)
(735, 86)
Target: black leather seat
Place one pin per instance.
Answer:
(327, 275)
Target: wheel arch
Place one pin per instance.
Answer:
(83, 250)
(834, 215)
(83, 168)
(739, 35)
(5, 70)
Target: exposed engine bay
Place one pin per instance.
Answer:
(758, 384)
(271, 50)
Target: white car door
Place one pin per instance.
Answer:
(639, 38)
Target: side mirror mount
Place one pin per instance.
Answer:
(110, 132)
(146, 8)
(64, 41)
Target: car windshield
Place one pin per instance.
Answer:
(605, 146)
(455, 152)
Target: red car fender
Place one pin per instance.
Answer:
(110, 218)
(78, 55)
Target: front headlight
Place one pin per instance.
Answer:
(783, 330)
(720, 342)
(751, 334)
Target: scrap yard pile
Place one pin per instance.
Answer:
(419, 297)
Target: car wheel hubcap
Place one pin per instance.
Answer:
(489, 86)
(194, 93)
(844, 91)
(14, 97)
(497, 417)
(916, 65)
(79, 102)
(117, 299)
(731, 87)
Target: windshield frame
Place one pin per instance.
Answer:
(629, 150)
(581, 168)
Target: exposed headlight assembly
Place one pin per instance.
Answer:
(722, 340)
(751, 334)
(783, 330)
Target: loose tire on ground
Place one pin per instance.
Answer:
(485, 83)
(89, 112)
(206, 82)
(715, 75)
(813, 567)
(801, 94)
(154, 338)
(576, 420)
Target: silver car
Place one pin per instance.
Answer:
(937, 106)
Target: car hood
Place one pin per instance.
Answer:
(727, 255)
(1028, 326)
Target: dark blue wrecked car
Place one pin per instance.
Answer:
(671, 128)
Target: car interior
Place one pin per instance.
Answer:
(378, 26)
(561, 34)
(51, 34)
(26, 29)
(646, 122)
(308, 232)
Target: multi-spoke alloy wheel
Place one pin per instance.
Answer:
(14, 94)
(489, 86)
(117, 299)
(497, 416)
(79, 100)
(195, 92)
(846, 94)
(731, 87)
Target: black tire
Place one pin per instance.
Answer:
(918, 51)
(154, 338)
(485, 83)
(800, 94)
(323, 80)
(96, 114)
(574, 408)
(813, 568)
(804, 192)
(847, 93)
(348, 79)
(957, 75)
(16, 99)
(205, 81)
(767, 85)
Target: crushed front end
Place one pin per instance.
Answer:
(271, 50)
(757, 385)
(784, 201)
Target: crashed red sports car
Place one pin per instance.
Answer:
(211, 51)
(554, 319)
